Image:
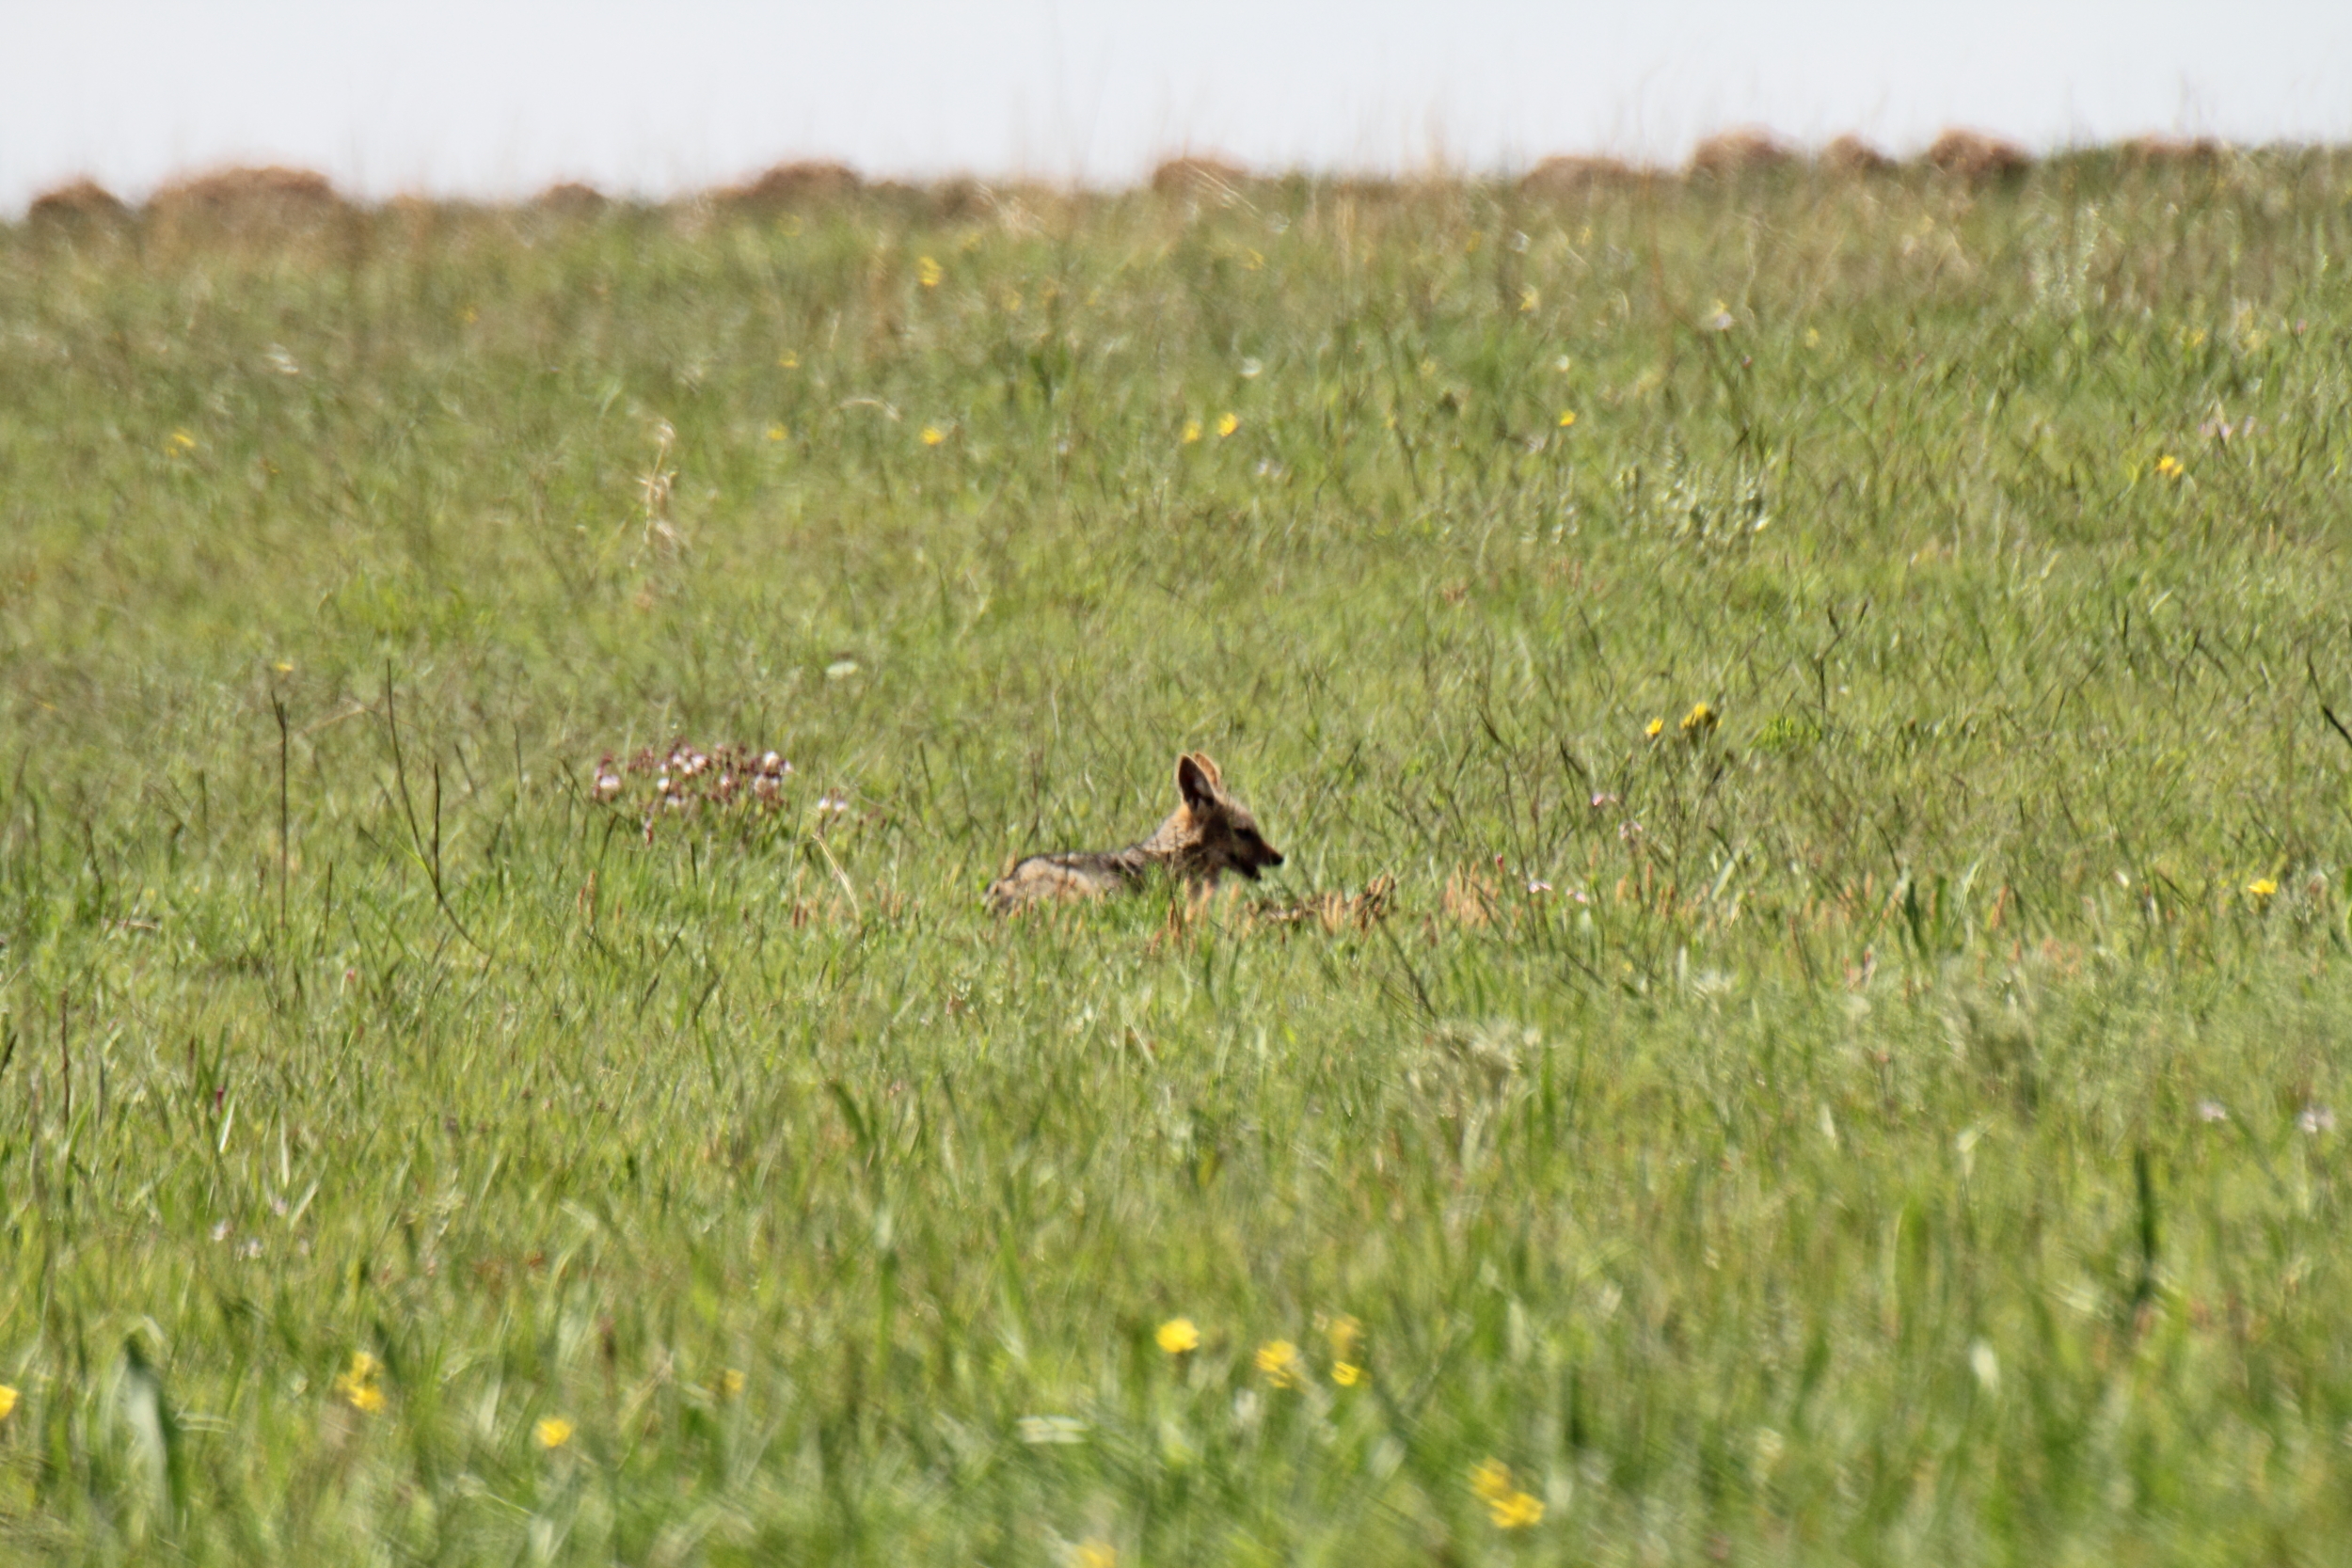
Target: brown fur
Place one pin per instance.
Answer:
(1973, 156)
(1208, 834)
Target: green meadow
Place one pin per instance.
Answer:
(1807, 1019)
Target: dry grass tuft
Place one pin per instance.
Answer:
(1734, 154)
(2160, 152)
(80, 204)
(1850, 154)
(1977, 158)
(1577, 176)
(1200, 178)
(799, 184)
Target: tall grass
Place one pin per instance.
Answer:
(1890, 1121)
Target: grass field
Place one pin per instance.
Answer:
(1888, 1117)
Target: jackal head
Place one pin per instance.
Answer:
(1218, 834)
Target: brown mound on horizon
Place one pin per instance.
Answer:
(78, 204)
(1748, 149)
(571, 198)
(1576, 175)
(797, 183)
(1197, 177)
(1976, 157)
(2172, 152)
(234, 196)
(1851, 154)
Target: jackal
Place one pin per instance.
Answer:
(1208, 833)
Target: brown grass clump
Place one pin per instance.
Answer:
(1737, 154)
(1470, 897)
(949, 201)
(1333, 911)
(2155, 153)
(1977, 158)
(571, 199)
(79, 205)
(800, 183)
(1577, 176)
(1199, 178)
(1850, 154)
(249, 198)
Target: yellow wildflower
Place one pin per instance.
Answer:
(1506, 1505)
(1346, 1373)
(1655, 728)
(1095, 1553)
(1529, 299)
(2261, 890)
(2170, 466)
(360, 1385)
(777, 432)
(1345, 1334)
(553, 1432)
(181, 441)
(470, 315)
(1567, 418)
(929, 273)
(1279, 1359)
(1178, 1334)
(788, 360)
(7, 1401)
(730, 1383)
(933, 436)
(1192, 431)
(1228, 424)
(1700, 722)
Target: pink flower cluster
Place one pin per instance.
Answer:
(687, 779)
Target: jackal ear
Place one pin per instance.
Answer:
(1210, 768)
(1195, 779)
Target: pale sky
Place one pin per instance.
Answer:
(497, 98)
